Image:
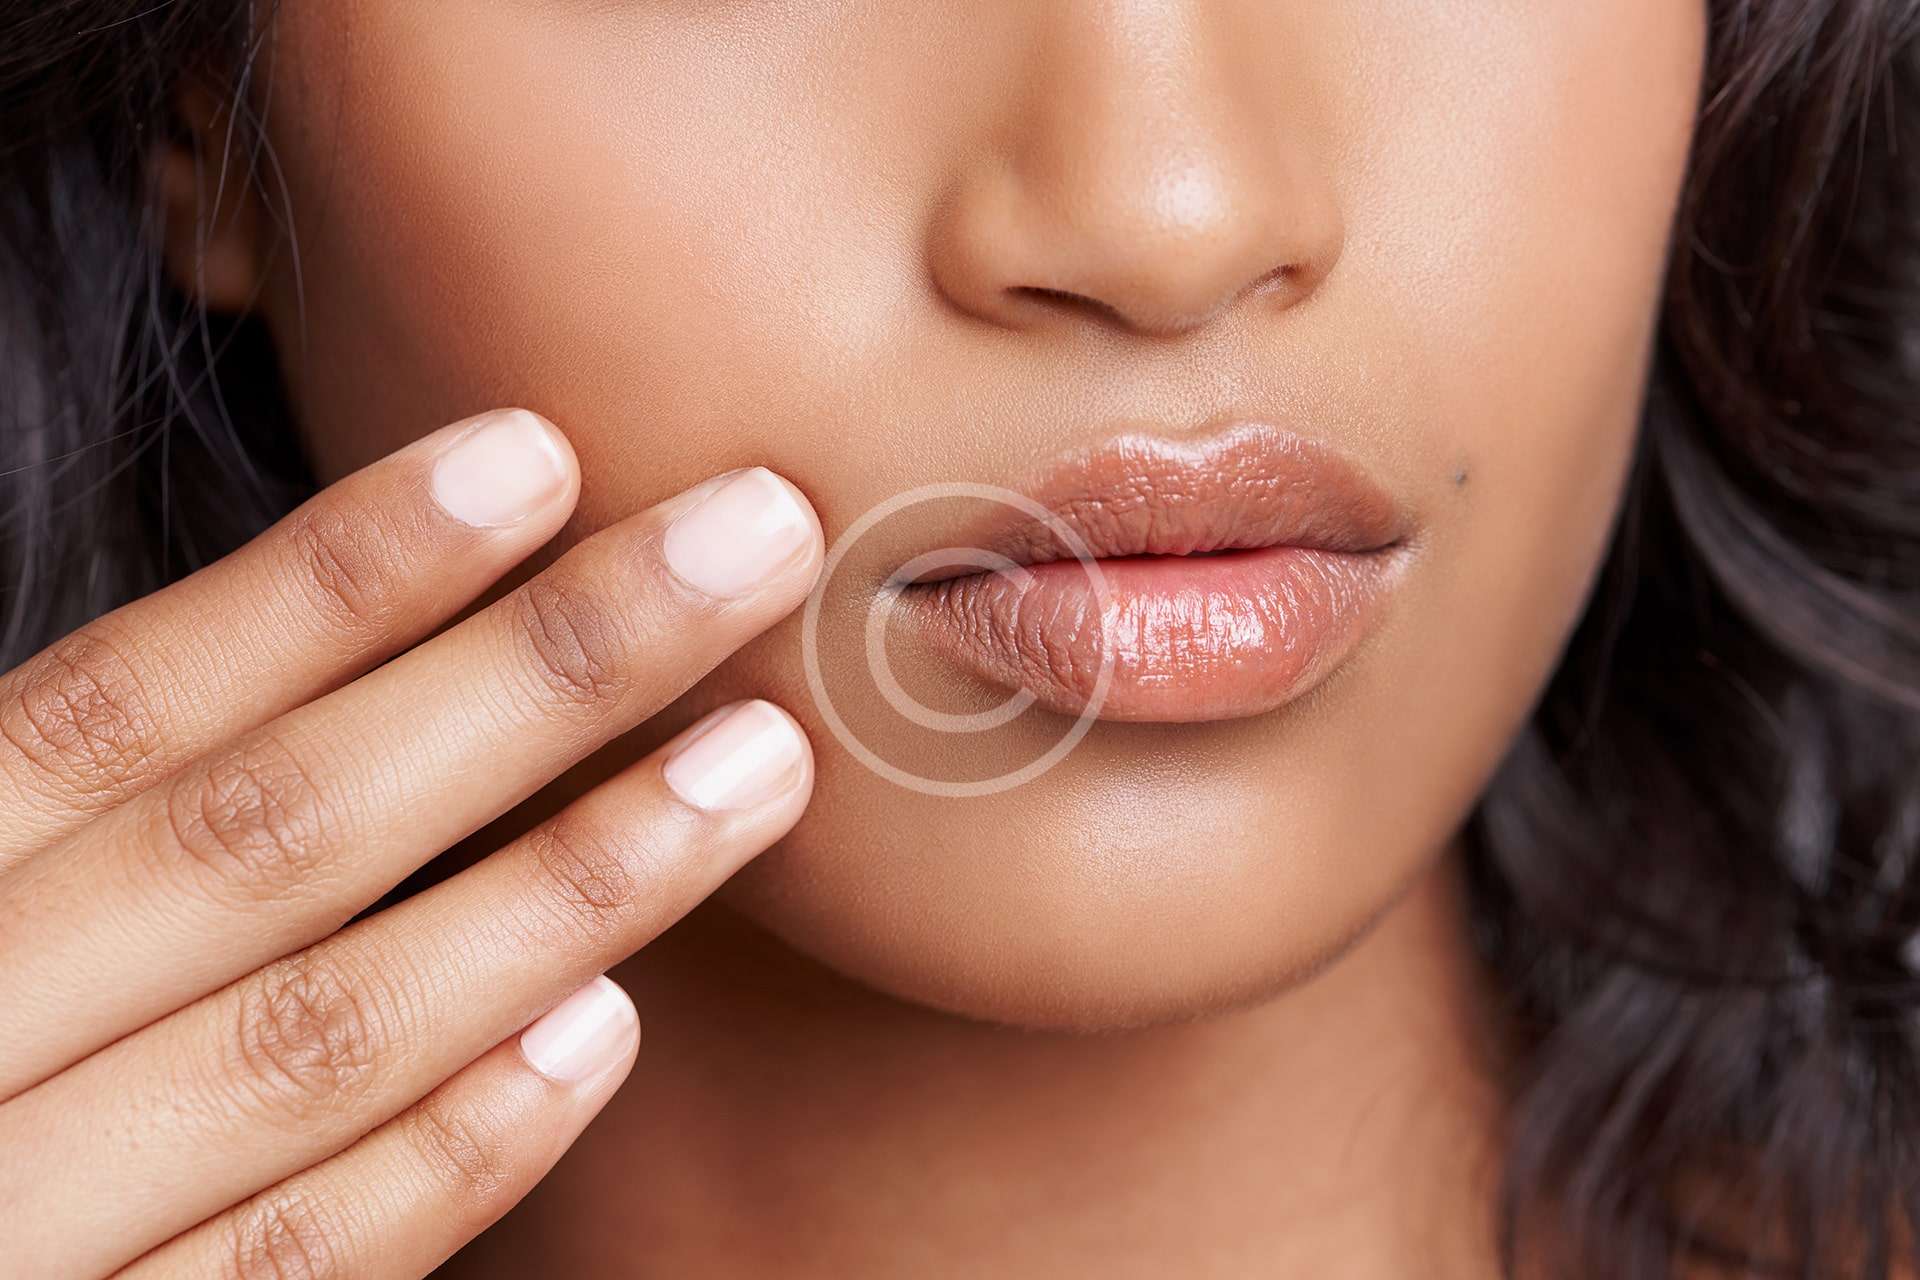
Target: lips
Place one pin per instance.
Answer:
(1229, 575)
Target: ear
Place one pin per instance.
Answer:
(212, 219)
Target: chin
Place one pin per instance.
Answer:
(1115, 966)
(1105, 897)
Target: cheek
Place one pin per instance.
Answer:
(1526, 245)
(1508, 281)
(535, 204)
(1533, 175)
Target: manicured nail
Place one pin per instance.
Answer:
(738, 536)
(745, 758)
(500, 470)
(583, 1035)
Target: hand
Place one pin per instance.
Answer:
(202, 1072)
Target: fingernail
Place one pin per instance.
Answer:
(738, 536)
(583, 1035)
(745, 759)
(500, 470)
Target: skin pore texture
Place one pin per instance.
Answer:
(1199, 999)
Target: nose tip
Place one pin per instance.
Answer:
(1146, 265)
(1150, 203)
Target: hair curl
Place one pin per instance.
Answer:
(1697, 871)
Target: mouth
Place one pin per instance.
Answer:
(1175, 581)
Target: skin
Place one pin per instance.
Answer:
(826, 293)
(702, 237)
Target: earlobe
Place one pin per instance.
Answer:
(211, 215)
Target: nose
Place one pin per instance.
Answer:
(1147, 175)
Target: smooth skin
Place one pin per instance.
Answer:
(203, 1070)
(1201, 1000)
(877, 245)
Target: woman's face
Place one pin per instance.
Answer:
(878, 244)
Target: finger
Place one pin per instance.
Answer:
(269, 844)
(399, 1202)
(349, 578)
(292, 1064)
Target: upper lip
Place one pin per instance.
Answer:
(1244, 486)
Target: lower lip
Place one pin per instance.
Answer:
(1192, 637)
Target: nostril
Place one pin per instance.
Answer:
(1284, 274)
(1139, 320)
(1067, 298)
(1170, 302)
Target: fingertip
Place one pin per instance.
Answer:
(589, 1035)
(504, 467)
(802, 785)
(746, 756)
(815, 551)
(744, 534)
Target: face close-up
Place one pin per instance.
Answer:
(1386, 269)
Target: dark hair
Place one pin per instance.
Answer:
(1697, 872)
(125, 461)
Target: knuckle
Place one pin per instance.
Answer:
(253, 816)
(589, 879)
(308, 1034)
(348, 562)
(466, 1147)
(281, 1234)
(575, 645)
(82, 721)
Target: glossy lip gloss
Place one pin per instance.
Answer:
(1240, 570)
